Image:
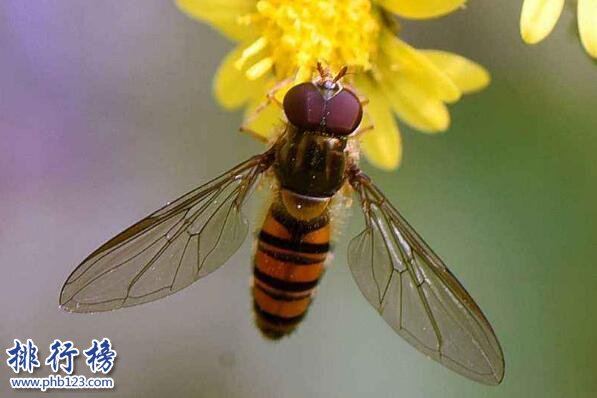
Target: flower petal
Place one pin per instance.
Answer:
(421, 9)
(413, 105)
(382, 145)
(231, 87)
(222, 14)
(469, 76)
(405, 60)
(538, 18)
(266, 123)
(587, 25)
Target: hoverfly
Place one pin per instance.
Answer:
(312, 163)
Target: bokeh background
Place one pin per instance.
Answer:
(106, 112)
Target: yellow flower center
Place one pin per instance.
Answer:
(296, 34)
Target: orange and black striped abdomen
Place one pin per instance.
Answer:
(289, 262)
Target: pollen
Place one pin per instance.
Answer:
(295, 35)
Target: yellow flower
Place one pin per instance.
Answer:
(539, 17)
(281, 41)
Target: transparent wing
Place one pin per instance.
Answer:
(416, 294)
(169, 249)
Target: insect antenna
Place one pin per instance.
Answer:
(341, 73)
(323, 72)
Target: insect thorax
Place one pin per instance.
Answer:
(310, 163)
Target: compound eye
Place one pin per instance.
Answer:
(343, 113)
(304, 106)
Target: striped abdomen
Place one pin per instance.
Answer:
(289, 262)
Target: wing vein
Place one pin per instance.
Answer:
(150, 260)
(431, 309)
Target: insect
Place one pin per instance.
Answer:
(312, 163)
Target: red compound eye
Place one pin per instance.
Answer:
(343, 113)
(304, 106)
